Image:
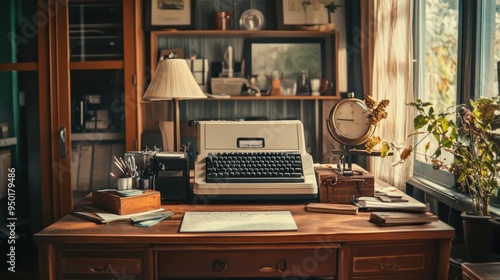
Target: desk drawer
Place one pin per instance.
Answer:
(97, 264)
(235, 261)
(411, 261)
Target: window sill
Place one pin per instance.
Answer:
(446, 195)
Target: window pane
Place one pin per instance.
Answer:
(489, 50)
(438, 53)
(489, 55)
(440, 35)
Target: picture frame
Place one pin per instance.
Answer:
(288, 56)
(292, 13)
(165, 14)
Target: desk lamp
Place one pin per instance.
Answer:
(173, 81)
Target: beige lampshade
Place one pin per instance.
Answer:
(173, 80)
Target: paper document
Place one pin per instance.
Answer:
(373, 204)
(237, 221)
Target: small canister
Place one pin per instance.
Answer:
(222, 20)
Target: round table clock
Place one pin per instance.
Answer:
(349, 123)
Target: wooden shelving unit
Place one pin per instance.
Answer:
(331, 37)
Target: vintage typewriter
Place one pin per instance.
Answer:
(253, 160)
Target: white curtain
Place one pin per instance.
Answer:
(388, 74)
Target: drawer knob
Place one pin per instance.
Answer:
(101, 269)
(387, 265)
(281, 266)
(266, 269)
(220, 265)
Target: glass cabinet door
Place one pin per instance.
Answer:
(96, 48)
(95, 30)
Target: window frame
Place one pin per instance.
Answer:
(440, 183)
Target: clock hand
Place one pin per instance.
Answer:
(348, 120)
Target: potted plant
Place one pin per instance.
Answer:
(466, 132)
(331, 6)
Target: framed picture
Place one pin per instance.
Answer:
(161, 14)
(301, 12)
(288, 57)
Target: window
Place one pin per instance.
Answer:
(457, 46)
(436, 50)
(489, 49)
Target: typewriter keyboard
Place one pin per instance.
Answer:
(259, 167)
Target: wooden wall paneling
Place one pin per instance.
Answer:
(61, 113)
(130, 93)
(228, 109)
(261, 108)
(45, 146)
(140, 66)
(327, 141)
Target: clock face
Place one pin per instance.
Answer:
(350, 123)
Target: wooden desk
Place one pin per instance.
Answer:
(325, 245)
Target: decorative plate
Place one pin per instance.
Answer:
(252, 20)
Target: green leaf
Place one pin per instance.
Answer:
(384, 149)
(436, 136)
(444, 123)
(427, 146)
(447, 142)
(437, 153)
(420, 121)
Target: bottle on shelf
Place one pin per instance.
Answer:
(303, 84)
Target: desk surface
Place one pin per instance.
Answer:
(339, 228)
(340, 246)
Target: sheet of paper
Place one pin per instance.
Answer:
(373, 204)
(237, 221)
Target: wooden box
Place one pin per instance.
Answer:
(113, 203)
(335, 188)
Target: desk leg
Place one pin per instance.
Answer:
(444, 258)
(46, 261)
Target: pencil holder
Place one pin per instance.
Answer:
(124, 183)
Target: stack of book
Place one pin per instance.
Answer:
(392, 218)
(141, 207)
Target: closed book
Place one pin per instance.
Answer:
(332, 208)
(402, 218)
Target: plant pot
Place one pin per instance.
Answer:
(478, 234)
(495, 223)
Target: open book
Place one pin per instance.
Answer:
(100, 216)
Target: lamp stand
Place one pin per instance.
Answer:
(177, 127)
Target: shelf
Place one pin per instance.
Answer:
(99, 65)
(245, 33)
(282, 97)
(21, 66)
(6, 142)
(98, 136)
(254, 98)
